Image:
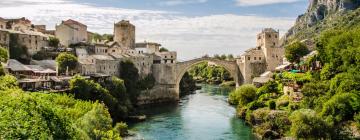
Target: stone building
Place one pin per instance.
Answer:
(21, 24)
(266, 56)
(124, 34)
(4, 38)
(2, 23)
(268, 41)
(40, 28)
(71, 32)
(33, 41)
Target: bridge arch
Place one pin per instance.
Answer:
(230, 66)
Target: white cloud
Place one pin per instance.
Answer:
(180, 2)
(261, 2)
(190, 36)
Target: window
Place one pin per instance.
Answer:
(172, 56)
(259, 58)
(165, 61)
(269, 36)
(172, 61)
(105, 51)
(274, 43)
(254, 58)
(248, 58)
(165, 56)
(275, 36)
(113, 50)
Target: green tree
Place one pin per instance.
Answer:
(295, 51)
(66, 60)
(108, 37)
(54, 42)
(162, 49)
(306, 125)
(342, 106)
(3, 55)
(230, 57)
(130, 74)
(89, 90)
(223, 57)
(243, 95)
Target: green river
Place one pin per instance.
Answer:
(205, 115)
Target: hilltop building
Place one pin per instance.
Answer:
(71, 32)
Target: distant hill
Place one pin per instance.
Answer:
(324, 15)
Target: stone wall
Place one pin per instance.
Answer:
(158, 94)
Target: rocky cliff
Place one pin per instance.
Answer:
(317, 12)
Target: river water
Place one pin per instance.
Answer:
(203, 116)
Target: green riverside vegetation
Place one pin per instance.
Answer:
(32, 115)
(328, 104)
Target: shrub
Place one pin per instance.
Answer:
(243, 95)
(342, 107)
(306, 125)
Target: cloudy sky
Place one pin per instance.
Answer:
(191, 27)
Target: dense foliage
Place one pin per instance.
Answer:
(27, 115)
(66, 61)
(54, 42)
(295, 51)
(328, 104)
(112, 94)
(209, 73)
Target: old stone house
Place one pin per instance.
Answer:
(71, 32)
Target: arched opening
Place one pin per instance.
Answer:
(230, 67)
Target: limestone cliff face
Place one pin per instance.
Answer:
(318, 10)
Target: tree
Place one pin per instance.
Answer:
(223, 57)
(243, 95)
(230, 57)
(130, 74)
(3, 55)
(216, 56)
(54, 42)
(306, 125)
(66, 60)
(162, 49)
(295, 51)
(108, 37)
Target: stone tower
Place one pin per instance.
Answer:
(268, 42)
(124, 34)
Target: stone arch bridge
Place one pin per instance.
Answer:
(230, 66)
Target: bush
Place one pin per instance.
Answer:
(306, 125)
(243, 95)
(342, 107)
(50, 116)
(3, 55)
(269, 87)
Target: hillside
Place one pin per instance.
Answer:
(324, 15)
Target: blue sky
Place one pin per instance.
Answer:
(191, 27)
